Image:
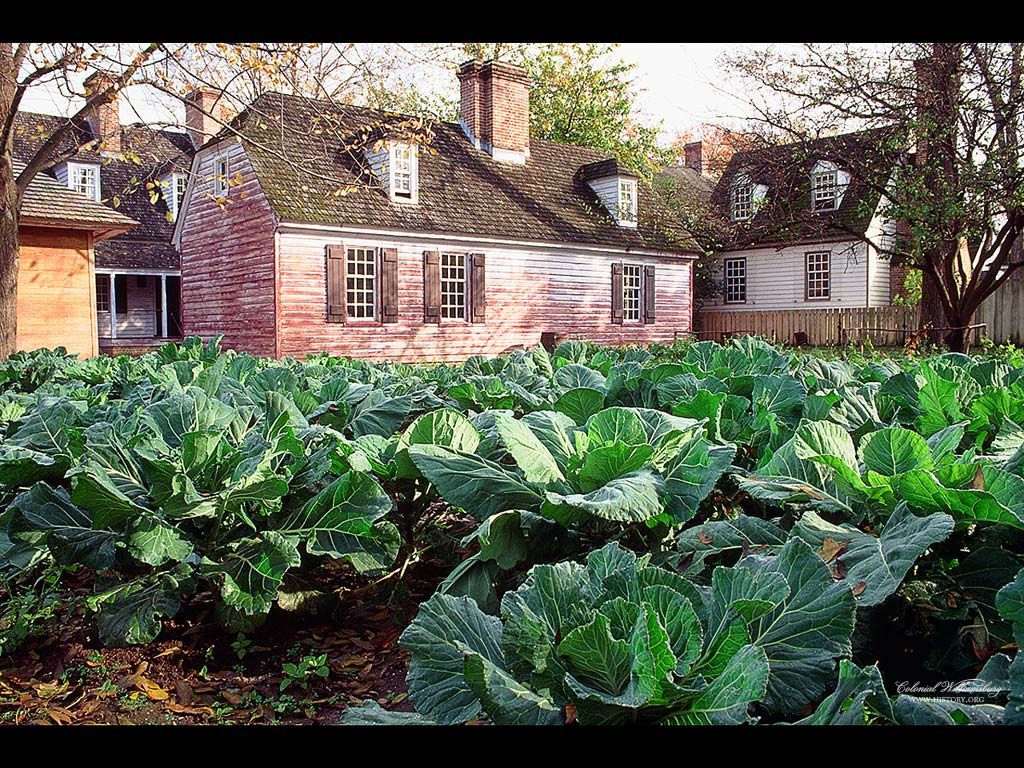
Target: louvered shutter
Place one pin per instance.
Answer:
(431, 287)
(335, 284)
(478, 284)
(617, 293)
(389, 285)
(649, 295)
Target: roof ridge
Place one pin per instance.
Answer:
(604, 155)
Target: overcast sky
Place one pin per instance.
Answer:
(680, 84)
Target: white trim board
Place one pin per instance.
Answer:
(133, 271)
(407, 234)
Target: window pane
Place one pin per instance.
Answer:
(220, 177)
(818, 275)
(631, 292)
(361, 283)
(742, 201)
(180, 182)
(83, 179)
(453, 285)
(824, 191)
(627, 200)
(735, 280)
(401, 171)
(102, 293)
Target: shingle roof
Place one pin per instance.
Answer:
(303, 160)
(603, 169)
(118, 253)
(150, 154)
(785, 216)
(47, 201)
(684, 182)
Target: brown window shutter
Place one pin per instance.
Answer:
(431, 287)
(478, 284)
(389, 285)
(649, 295)
(617, 293)
(335, 284)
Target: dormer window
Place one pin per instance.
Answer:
(403, 172)
(627, 201)
(616, 188)
(742, 201)
(828, 183)
(824, 191)
(85, 179)
(745, 197)
(173, 188)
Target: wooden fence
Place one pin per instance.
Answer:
(1003, 312)
(1002, 315)
(883, 326)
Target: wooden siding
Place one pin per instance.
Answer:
(881, 232)
(607, 191)
(227, 258)
(56, 291)
(883, 326)
(1003, 311)
(878, 282)
(776, 278)
(529, 291)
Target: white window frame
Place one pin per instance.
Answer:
(738, 265)
(747, 188)
(400, 194)
(825, 190)
(102, 287)
(816, 278)
(627, 206)
(92, 191)
(220, 180)
(174, 197)
(632, 280)
(447, 308)
(356, 284)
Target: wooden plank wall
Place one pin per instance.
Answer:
(1003, 311)
(883, 326)
(56, 291)
(227, 259)
(529, 291)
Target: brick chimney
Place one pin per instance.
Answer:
(200, 104)
(693, 156)
(104, 119)
(494, 109)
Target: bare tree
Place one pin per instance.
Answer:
(718, 145)
(336, 74)
(950, 170)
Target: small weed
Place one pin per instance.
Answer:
(131, 703)
(109, 686)
(241, 645)
(27, 612)
(221, 713)
(306, 669)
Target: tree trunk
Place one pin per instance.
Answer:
(8, 214)
(8, 259)
(933, 314)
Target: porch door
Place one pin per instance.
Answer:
(174, 305)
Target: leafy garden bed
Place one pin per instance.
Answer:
(684, 535)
